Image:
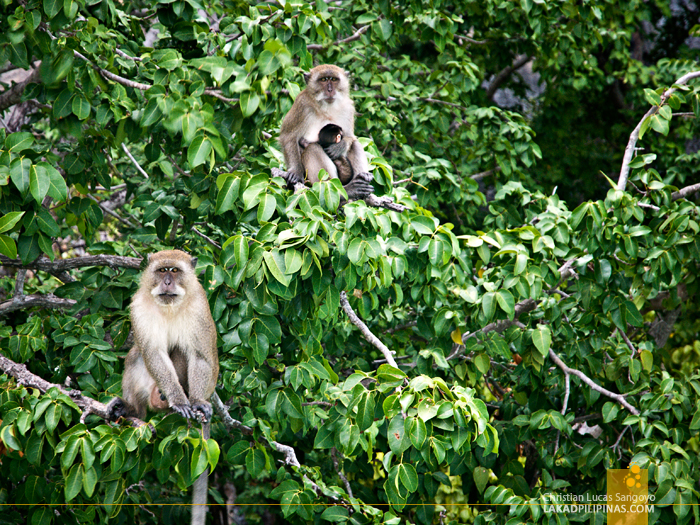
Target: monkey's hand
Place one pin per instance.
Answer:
(338, 150)
(204, 409)
(185, 411)
(360, 186)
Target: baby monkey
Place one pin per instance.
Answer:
(329, 135)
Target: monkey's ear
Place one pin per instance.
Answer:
(193, 262)
(307, 77)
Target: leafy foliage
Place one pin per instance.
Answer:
(153, 125)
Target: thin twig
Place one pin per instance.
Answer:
(133, 160)
(567, 370)
(504, 74)
(340, 472)
(355, 36)
(208, 239)
(373, 339)
(685, 192)
(634, 136)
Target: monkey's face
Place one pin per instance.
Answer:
(327, 82)
(168, 288)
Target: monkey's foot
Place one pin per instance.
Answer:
(116, 408)
(185, 411)
(360, 186)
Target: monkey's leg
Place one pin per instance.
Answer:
(200, 373)
(314, 159)
(137, 386)
(361, 184)
(163, 371)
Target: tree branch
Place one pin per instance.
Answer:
(373, 339)
(88, 405)
(617, 397)
(13, 94)
(634, 136)
(133, 161)
(685, 192)
(355, 36)
(371, 200)
(504, 74)
(45, 264)
(20, 302)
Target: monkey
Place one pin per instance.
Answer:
(325, 100)
(329, 135)
(174, 362)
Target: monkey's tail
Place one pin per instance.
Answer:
(199, 499)
(200, 489)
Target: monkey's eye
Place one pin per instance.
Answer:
(174, 270)
(163, 270)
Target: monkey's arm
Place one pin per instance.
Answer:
(163, 372)
(338, 150)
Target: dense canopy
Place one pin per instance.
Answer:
(524, 320)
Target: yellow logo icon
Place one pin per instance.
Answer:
(628, 499)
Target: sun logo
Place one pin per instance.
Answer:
(634, 477)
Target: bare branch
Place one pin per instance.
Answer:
(628, 342)
(463, 38)
(290, 457)
(634, 136)
(133, 160)
(124, 55)
(45, 264)
(484, 174)
(13, 95)
(685, 192)
(617, 397)
(504, 74)
(208, 239)
(371, 200)
(340, 472)
(110, 212)
(355, 36)
(19, 283)
(217, 94)
(20, 302)
(25, 378)
(567, 391)
(373, 339)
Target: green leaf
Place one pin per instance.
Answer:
(199, 151)
(249, 103)
(38, 183)
(52, 7)
(481, 478)
(335, 514)
(408, 476)
(19, 173)
(255, 462)
(417, 432)
(542, 339)
(74, 481)
(80, 107)
(274, 261)
(16, 142)
(198, 462)
(365, 411)
(266, 208)
(227, 195)
(8, 221)
(506, 302)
